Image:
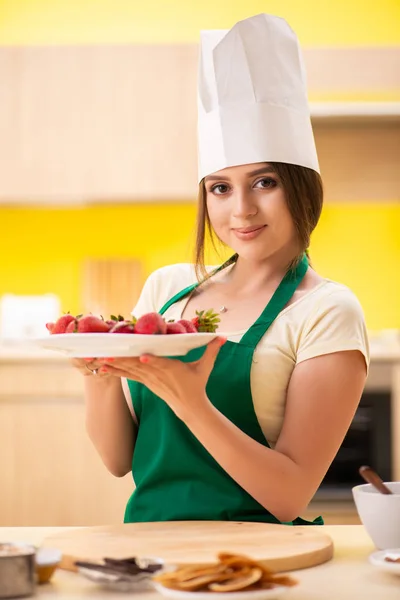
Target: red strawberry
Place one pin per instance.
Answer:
(50, 327)
(72, 327)
(175, 328)
(92, 324)
(123, 327)
(62, 323)
(188, 325)
(151, 324)
(113, 320)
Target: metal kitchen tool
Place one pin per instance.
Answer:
(17, 570)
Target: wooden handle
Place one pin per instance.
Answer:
(371, 477)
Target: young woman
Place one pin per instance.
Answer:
(246, 428)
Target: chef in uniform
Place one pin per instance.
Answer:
(246, 428)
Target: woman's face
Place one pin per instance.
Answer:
(248, 211)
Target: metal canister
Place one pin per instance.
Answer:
(17, 570)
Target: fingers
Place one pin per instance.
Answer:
(86, 366)
(116, 372)
(210, 355)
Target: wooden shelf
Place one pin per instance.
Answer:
(355, 110)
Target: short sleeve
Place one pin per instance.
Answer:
(161, 285)
(147, 298)
(336, 324)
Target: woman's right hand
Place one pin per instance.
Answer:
(89, 367)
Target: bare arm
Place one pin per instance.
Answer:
(109, 423)
(322, 398)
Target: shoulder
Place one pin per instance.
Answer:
(333, 297)
(164, 283)
(334, 321)
(174, 272)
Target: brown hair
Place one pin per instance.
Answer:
(304, 197)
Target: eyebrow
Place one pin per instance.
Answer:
(261, 171)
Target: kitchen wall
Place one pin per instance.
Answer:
(317, 23)
(42, 249)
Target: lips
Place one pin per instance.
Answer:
(249, 229)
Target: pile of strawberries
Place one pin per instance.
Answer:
(149, 324)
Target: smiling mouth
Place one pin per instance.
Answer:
(249, 229)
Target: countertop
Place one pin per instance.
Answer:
(348, 576)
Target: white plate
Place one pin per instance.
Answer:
(271, 594)
(122, 583)
(94, 345)
(378, 560)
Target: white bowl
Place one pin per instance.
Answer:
(380, 513)
(378, 559)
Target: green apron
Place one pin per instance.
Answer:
(176, 478)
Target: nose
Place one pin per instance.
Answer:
(244, 205)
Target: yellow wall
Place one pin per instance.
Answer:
(42, 250)
(317, 22)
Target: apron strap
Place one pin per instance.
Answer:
(280, 298)
(188, 290)
(178, 297)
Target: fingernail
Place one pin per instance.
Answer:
(103, 370)
(144, 359)
(222, 341)
(110, 359)
(88, 359)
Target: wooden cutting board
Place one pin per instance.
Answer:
(281, 547)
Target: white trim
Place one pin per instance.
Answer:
(128, 398)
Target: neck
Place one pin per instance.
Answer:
(249, 275)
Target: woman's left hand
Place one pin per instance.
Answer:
(181, 385)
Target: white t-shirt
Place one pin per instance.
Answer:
(326, 319)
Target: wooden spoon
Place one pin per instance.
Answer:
(370, 476)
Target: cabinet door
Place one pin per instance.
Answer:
(50, 473)
(98, 122)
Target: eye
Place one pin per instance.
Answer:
(267, 182)
(219, 189)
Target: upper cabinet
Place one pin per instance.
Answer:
(118, 123)
(94, 123)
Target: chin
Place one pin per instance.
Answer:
(255, 254)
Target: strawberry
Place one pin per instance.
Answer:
(91, 324)
(113, 320)
(62, 323)
(72, 326)
(151, 324)
(188, 325)
(124, 326)
(206, 321)
(50, 327)
(175, 328)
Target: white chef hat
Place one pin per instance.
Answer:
(252, 97)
